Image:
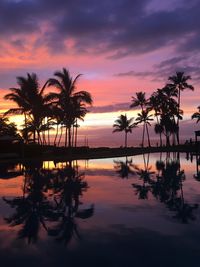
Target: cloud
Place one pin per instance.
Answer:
(165, 68)
(134, 73)
(117, 28)
(110, 108)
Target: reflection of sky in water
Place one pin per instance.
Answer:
(123, 230)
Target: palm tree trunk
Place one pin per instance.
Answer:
(179, 102)
(39, 137)
(160, 134)
(69, 137)
(43, 137)
(34, 135)
(56, 135)
(61, 132)
(44, 134)
(167, 140)
(143, 134)
(48, 132)
(148, 135)
(26, 132)
(125, 139)
(76, 134)
(66, 136)
(72, 138)
(160, 139)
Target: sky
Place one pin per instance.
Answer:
(120, 46)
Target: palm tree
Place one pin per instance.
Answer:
(67, 96)
(144, 118)
(124, 124)
(179, 83)
(166, 111)
(154, 104)
(139, 100)
(158, 128)
(196, 115)
(19, 96)
(31, 101)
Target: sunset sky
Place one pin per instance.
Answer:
(120, 47)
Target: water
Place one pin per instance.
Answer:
(135, 211)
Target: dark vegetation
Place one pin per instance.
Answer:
(63, 108)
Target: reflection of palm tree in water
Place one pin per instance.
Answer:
(145, 175)
(197, 175)
(36, 208)
(168, 188)
(68, 187)
(32, 209)
(124, 168)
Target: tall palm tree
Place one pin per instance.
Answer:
(179, 83)
(145, 119)
(66, 86)
(154, 105)
(19, 96)
(30, 100)
(158, 128)
(139, 100)
(166, 110)
(124, 124)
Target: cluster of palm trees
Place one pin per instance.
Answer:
(164, 105)
(42, 110)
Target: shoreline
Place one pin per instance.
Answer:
(49, 153)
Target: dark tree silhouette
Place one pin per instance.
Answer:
(124, 124)
(179, 82)
(144, 118)
(31, 102)
(68, 99)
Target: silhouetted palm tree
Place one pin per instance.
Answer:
(145, 119)
(158, 128)
(179, 83)
(139, 101)
(166, 111)
(31, 101)
(124, 124)
(67, 96)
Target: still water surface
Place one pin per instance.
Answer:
(136, 211)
